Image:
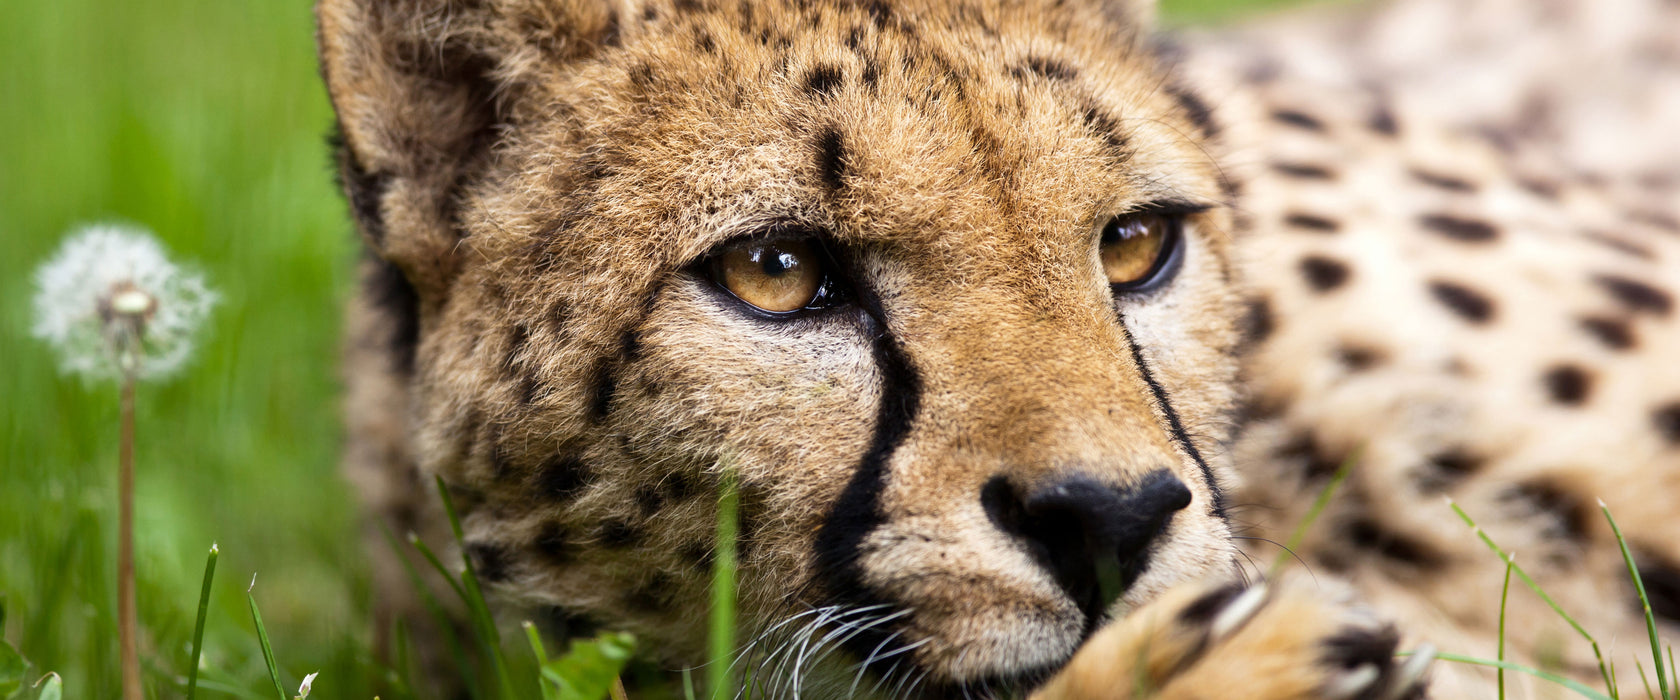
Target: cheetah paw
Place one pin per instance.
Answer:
(1265, 642)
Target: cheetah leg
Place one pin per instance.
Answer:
(1266, 642)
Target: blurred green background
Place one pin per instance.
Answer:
(204, 122)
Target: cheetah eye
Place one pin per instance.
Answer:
(1138, 250)
(780, 276)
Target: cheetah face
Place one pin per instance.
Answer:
(944, 285)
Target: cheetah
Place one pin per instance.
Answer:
(1025, 330)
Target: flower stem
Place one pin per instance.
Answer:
(127, 618)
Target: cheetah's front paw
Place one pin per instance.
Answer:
(1266, 642)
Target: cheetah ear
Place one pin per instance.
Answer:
(420, 88)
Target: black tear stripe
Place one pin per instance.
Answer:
(857, 512)
(1174, 425)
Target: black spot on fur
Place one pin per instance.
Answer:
(1458, 228)
(1619, 244)
(363, 189)
(1310, 222)
(1445, 469)
(529, 389)
(1666, 419)
(615, 533)
(1657, 219)
(1258, 322)
(1467, 303)
(1614, 333)
(1383, 122)
(1662, 584)
(1104, 126)
(1366, 533)
(1195, 109)
(517, 337)
(1568, 385)
(679, 487)
(697, 555)
(703, 40)
(823, 81)
(1203, 609)
(649, 500)
(880, 12)
(1297, 119)
(1358, 358)
(490, 561)
(871, 72)
(1544, 189)
(389, 291)
(1315, 464)
(1048, 68)
(831, 158)
(554, 543)
(1352, 648)
(1324, 274)
(563, 477)
(641, 76)
(1443, 181)
(657, 594)
(1304, 171)
(1566, 515)
(1635, 295)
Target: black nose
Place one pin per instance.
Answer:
(1092, 537)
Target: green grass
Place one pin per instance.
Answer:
(202, 121)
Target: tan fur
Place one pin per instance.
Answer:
(537, 180)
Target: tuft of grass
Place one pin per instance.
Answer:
(721, 618)
(198, 625)
(473, 595)
(1299, 535)
(1504, 596)
(262, 638)
(1603, 670)
(1645, 605)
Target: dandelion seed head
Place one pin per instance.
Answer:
(110, 301)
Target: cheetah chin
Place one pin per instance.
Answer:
(1022, 329)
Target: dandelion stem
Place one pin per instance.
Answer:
(128, 623)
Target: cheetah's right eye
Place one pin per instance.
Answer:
(779, 276)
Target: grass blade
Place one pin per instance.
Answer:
(198, 626)
(721, 640)
(688, 684)
(473, 596)
(445, 623)
(1504, 595)
(1571, 684)
(1317, 509)
(1644, 604)
(262, 636)
(535, 639)
(1527, 580)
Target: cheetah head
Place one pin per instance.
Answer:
(943, 285)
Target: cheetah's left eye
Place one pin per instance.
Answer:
(1138, 249)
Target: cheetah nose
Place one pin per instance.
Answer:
(1093, 538)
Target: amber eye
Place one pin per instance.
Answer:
(1136, 247)
(777, 276)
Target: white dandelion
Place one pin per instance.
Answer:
(114, 306)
